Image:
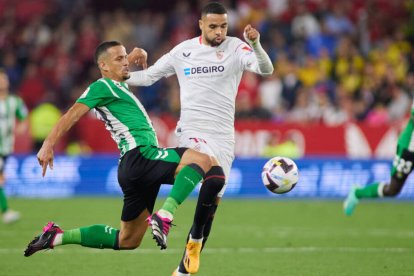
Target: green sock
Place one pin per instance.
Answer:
(71, 236)
(170, 205)
(369, 191)
(184, 184)
(95, 236)
(3, 201)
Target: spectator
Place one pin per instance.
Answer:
(32, 88)
(286, 146)
(42, 119)
(304, 24)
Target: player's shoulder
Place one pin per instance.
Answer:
(100, 84)
(14, 98)
(185, 45)
(234, 40)
(236, 44)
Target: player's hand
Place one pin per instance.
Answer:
(138, 56)
(45, 157)
(251, 35)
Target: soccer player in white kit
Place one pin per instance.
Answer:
(209, 69)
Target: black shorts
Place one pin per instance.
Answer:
(3, 159)
(141, 172)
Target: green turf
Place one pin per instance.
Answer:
(250, 237)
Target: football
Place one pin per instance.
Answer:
(280, 175)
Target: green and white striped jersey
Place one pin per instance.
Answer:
(123, 114)
(11, 108)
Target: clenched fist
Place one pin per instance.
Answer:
(251, 35)
(139, 57)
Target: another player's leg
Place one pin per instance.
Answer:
(190, 172)
(181, 270)
(209, 224)
(94, 236)
(370, 191)
(205, 209)
(213, 183)
(8, 215)
(161, 221)
(374, 190)
(402, 167)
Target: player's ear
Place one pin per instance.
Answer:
(103, 66)
(200, 24)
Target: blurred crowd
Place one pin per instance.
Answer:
(336, 61)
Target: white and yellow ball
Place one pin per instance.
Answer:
(280, 175)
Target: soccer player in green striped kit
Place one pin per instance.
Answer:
(11, 108)
(401, 168)
(143, 166)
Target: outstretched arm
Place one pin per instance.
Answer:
(252, 36)
(45, 154)
(162, 68)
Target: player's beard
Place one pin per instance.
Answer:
(213, 42)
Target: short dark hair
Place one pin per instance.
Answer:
(105, 46)
(213, 8)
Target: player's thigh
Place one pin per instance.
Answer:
(220, 150)
(226, 160)
(141, 172)
(199, 143)
(403, 164)
(148, 166)
(404, 157)
(196, 142)
(191, 156)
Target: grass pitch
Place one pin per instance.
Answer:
(249, 237)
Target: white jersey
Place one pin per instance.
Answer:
(209, 78)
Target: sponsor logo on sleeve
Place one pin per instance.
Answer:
(247, 48)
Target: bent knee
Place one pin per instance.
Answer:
(205, 162)
(392, 192)
(394, 188)
(215, 178)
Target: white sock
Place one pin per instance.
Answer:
(58, 239)
(180, 273)
(165, 214)
(381, 189)
(196, 240)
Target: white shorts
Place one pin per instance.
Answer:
(222, 150)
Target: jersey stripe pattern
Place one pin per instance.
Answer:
(11, 108)
(123, 114)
